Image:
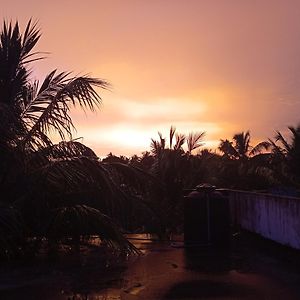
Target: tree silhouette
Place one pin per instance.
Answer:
(286, 155)
(240, 147)
(172, 166)
(43, 185)
(245, 166)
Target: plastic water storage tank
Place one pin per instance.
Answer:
(206, 217)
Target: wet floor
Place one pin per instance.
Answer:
(164, 271)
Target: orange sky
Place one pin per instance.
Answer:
(214, 66)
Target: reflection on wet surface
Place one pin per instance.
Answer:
(166, 270)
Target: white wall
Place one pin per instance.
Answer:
(273, 217)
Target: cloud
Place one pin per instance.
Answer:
(215, 66)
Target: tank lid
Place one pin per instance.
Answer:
(205, 187)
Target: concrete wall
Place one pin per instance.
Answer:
(273, 217)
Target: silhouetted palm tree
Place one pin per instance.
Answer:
(172, 166)
(245, 166)
(240, 147)
(43, 185)
(286, 155)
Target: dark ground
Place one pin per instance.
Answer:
(253, 269)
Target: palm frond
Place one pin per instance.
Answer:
(49, 110)
(72, 173)
(68, 149)
(162, 140)
(171, 135)
(194, 140)
(70, 178)
(227, 149)
(15, 50)
(295, 135)
(133, 174)
(242, 142)
(276, 149)
(180, 140)
(29, 40)
(280, 138)
(155, 147)
(265, 145)
(82, 220)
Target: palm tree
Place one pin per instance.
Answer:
(42, 184)
(172, 166)
(286, 155)
(240, 147)
(243, 165)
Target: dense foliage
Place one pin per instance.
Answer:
(181, 163)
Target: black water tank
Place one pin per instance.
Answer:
(206, 217)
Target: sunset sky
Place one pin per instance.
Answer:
(215, 66)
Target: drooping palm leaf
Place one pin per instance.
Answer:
(73, 177)
(81, 220)
(50, 108)
(68, 149)
(265, 145)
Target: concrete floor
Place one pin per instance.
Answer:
(167, 271)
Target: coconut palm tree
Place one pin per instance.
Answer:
(172, 165)
(240, 147)
(243, 165)
(47, 190)
(286, 155)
